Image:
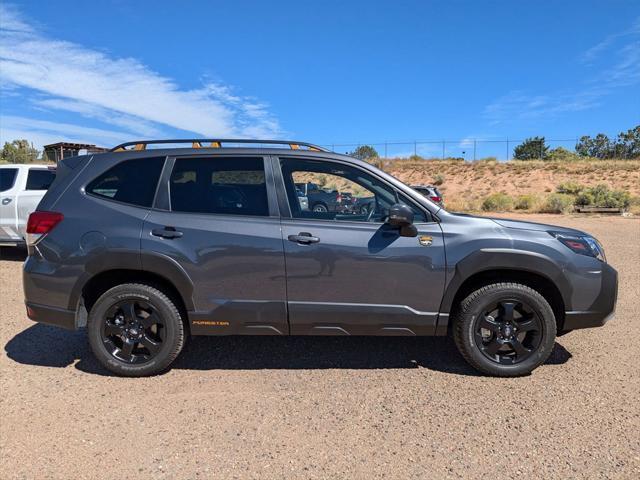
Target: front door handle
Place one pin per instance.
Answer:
(166, 232)
(304, 238)
(6, 201)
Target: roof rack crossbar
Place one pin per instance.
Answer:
(215, 143)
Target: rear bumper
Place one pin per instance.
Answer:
(603, 308)
(51, 316)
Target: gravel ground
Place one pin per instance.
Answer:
(325, 407)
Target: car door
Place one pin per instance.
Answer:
(9, 187)
(39, 179)
(348, 272)
(217, 218)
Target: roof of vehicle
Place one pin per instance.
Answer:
(24, 166)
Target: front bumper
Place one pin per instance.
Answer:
(603, 308)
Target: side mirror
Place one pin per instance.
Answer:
(401, 215)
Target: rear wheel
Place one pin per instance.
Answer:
(135, 330)
(320, 207)
(505, 329)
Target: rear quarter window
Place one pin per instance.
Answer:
(131, 181)
(7, 178)
(40, 179)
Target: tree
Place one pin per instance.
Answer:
(531, 149)
(598, 147)
(627, 144)
(19, 151)
(364, 152)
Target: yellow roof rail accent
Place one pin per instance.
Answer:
(196, 145)
(294, 146)
(140, 146)
(215, 144)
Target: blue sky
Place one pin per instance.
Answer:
(326, 72)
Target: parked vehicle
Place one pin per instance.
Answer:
(321, 200)
(432, 193)
(22, 186)
(302, 199)
(146, 246)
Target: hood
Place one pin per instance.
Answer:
(538, 227)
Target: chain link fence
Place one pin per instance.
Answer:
(469, 148)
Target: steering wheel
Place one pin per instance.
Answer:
(374, 207)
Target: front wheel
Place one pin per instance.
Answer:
(135, 330)
(505, 329)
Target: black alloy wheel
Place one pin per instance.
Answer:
(508, 331)
(133, 331)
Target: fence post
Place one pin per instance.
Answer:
(385, 150)
(507, 149)
(415, 148)
(443, 149)
(474, 149)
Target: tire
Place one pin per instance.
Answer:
(505, 329)
(320, 207)
(135, 330)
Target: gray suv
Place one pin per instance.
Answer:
(150, 243)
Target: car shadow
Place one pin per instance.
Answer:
(47, 346)
(13, 254)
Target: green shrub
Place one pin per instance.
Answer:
(497, 202)
(561, 154)
(558, 203)
(525, 202)
(603, 196)
(438, 179)
(570, 188)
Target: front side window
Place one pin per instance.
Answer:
(7, 178)
(326, 190)
(219, 185)
(40, 179)
(131, 181)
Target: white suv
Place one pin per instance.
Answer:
(21, 189)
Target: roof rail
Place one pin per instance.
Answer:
(214, 143)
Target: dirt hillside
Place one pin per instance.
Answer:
(475, 180)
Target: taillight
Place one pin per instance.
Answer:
(41, 223)
(435, 198)
(339, 198)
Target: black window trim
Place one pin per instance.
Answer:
(83, 188)
(286, 211)
(163, 195)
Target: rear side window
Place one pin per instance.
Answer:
(219, 185)
(131, 181)
(40, 179)
(7, 178)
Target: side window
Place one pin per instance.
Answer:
(40, 179)
(7, 178)
(219, 185)
(332, 191)
(131, 181)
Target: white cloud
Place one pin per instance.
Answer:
(620, 67)
(121, 92)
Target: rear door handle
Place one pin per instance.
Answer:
(6, 201)
(304, 238)
(166, 232)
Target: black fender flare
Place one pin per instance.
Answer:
(488, 259)
(135, 260)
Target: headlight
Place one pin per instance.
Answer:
(581, 244)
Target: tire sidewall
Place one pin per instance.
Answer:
(164, 308)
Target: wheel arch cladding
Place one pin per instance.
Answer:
(152, 268)
(489, 266)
